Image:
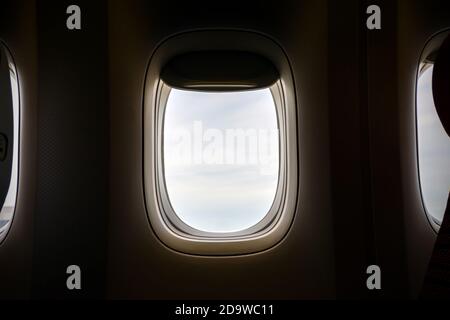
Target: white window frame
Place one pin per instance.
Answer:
(430, 49)
(168, 227)
(13, 185)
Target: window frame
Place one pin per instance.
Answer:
(4, 230)
(425, 61)
(171, 217)
(275, 226)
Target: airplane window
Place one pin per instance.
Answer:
(221, 157)
(220, 161)
(8, 206)
(433, 149)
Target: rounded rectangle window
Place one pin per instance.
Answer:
(433, 142)
(220, 145)
(9, 139)
(220, 159)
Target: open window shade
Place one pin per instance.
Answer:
(6, 125)
(219, 71)
(441, 84)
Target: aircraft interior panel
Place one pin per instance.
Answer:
(227, 150)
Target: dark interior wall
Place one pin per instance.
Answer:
(72, 190)
(350, 159)
(384, 146)
(365, 156)
(18, 31)
(417, 22)
(81, 186)
(139, 266)
(373, 133)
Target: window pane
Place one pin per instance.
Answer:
(221, 157)
(434, 150)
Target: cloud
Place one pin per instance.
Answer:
(220, 197)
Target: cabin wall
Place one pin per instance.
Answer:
(81, 193)
(384, 147)
(139, 266)
(71, 210)
(418, 21)
(18, 32)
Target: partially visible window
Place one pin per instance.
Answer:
(221, 157)
(433, 149)
(7, 210)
